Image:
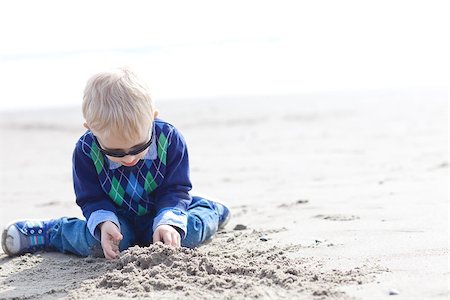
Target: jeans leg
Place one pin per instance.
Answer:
(203, 222)
(71, 235)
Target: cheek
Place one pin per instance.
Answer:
(142, 154)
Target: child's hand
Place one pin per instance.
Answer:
(110, 238)
(168, 235)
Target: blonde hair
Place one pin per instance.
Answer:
(117, 102)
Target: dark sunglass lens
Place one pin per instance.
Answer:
(118, 155)
(123, 154)
(138, 150)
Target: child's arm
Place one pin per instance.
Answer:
(93, 201)
(172, 197)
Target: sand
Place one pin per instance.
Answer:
(334, 196)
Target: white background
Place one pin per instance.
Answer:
(190, 49)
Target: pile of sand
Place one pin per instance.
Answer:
(228, 271)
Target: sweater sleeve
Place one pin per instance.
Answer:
(172, 197)
(90, 196)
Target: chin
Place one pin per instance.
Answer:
(131, 164)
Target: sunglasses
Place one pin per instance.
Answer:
(132, 152)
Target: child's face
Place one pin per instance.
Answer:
(131, 150)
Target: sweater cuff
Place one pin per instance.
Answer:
(173, 217)
(100, 216)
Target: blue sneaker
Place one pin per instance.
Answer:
(26, 237)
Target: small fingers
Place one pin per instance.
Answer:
(176, 240)
(110, 247)
(167, 235)
(117, 237)
(109, 252)
(115, 247)
(172, 239)
(156, 237)
(167, 238)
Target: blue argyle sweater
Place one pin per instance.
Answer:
(157, 186)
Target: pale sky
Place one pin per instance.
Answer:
(189, 49)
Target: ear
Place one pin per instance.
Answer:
(86, 126)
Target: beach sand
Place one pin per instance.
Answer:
(333, 196)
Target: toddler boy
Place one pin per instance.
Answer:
(131, 181)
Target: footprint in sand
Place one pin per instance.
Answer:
(289, 205)
(337, 217)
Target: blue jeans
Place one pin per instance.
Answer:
(71, 235)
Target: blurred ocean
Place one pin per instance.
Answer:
(205, 49)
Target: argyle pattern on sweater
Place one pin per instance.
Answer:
(132, 186)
